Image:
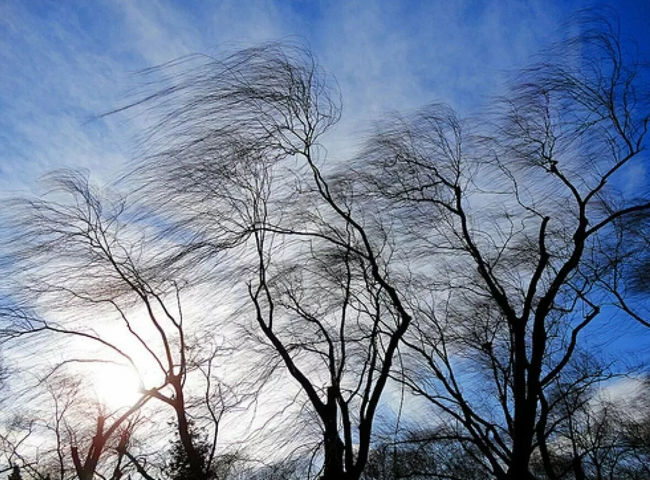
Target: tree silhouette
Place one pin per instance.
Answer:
(77, 253)
(461, 259)
(524, 225)
(243, 195)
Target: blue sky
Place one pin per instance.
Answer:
(63, 62)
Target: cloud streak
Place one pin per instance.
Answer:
(62, 64)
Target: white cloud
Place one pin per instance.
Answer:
(64, 63)
(624, 393)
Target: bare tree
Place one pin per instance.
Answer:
(77, 256)
(53, 437)
(236, 171)
(474, 250)
(516, 224)
(599, 437)
(429, 455)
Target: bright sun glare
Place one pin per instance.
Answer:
(116, 386)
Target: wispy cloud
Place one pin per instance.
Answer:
(63, 63)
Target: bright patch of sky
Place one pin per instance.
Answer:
(63, 63)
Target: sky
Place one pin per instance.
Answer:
(63, 63)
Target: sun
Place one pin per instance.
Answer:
(116, 386)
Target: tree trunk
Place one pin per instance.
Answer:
(194, 458)
(333, 463)
(577, 468)
(521, 451)
(86, 470)
(525, 410)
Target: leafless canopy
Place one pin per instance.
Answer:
(475, 251)
(518, 225)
